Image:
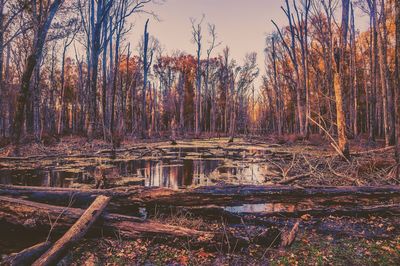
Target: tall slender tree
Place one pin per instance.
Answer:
(339, 80)
(397, 74)
(197, 39)
(43, 13)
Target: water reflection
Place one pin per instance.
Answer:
(170, 173)
(173, 168)
(176, 174)
(40, 177)
(265, 208)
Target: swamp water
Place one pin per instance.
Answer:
(175, 168)
(178, 168)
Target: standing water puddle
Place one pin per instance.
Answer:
(178, 168)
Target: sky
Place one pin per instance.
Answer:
(240, 24)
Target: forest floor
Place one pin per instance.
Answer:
(328, 240)
(313, 246)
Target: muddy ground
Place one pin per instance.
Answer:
(329, 240)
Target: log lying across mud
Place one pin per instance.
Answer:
(130, 198)
(215, 213)
(37, 216)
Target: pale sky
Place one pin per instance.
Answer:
(240, 24)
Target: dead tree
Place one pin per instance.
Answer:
(354, 80)
(147, 60)
(291, 50)
(42, 18)
(66, 43)
(301, 29)
(278, 92)
(197, 37)
(213, 45)
(373, 58)
(98, 11)
(329, 10)
(386, 88)
(339, 80)
(397, 91)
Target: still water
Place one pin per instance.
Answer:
(173, 173)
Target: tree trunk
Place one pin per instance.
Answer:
(115, 73)
(386, 88)
(374, 69)
(339, 82)
(397, 91)
(28, 255)
(31, 63)
(213, 110)
(2, 92)
(146, 68)
(181, 87)
(104, 76)
(232, 118)
(198, 91)
(61, 111)
(354, 73)
(277, 92)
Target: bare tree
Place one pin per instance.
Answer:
(397, 91)
(212, 45)
(386, 88)
(147, 61)
(197, 38)
(68, 39)
(353, 66)
(9, 12)
(339, 82)
(291, 50)
(43, 13)
(301, 29)
(241, 79)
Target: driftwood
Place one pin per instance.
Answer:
(37, 216)
(129, 199)
(28, 255)
(74, 234)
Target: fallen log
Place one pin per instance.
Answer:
(129, 199)
(74, 234)
(216, 213)
(37, 216)
(27, 256)
(79, 198)
(378, 210)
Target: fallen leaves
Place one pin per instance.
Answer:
(306, 217)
